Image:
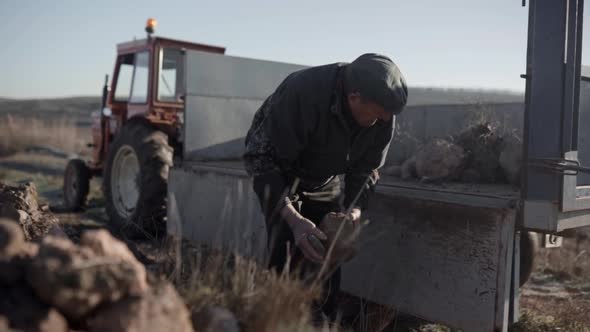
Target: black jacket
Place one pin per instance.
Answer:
(303, 130)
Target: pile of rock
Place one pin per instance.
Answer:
(97, 285)
(477, 155)
(20, 203)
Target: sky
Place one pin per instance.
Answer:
(65, 47)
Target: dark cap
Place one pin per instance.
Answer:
(379, 80)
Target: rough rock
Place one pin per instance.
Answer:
(11, 238)
(24, 312)
(103, 244)
(471, 175)
(57, 231)
(393, 170)
(408, 169)
(161, 309)
(482, 146)
(15, 253)
(77, 279)
(215, 319)
(439, 159)
(405, 145)
(511, 158)
(14, 268)
(19, 203)
(345, 245)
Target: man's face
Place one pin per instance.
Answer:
(365, 112)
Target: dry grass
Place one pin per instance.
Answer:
(533, 322)
(19, 133)
(261, 299)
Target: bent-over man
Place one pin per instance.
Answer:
(320, 125)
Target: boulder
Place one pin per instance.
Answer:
(15, 253)
(482, 146)
(78, 279)
(103, 244)
(408, 168)
(11, 239)
(215, 319)
(342, 234)
(160, 309)
(392, 170)
(24, 312)
(511, 158)
(439, 160)
(19, 203)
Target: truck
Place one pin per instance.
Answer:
(169, 139)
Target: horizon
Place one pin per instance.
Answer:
(454, 89)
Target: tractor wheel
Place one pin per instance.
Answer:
(76, 184)
(529, 246)
(135, 180)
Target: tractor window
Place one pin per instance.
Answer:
(139, 89)
(123, 86)
(170, 75)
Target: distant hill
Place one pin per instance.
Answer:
(82, 105)
(79, 108)
(439, 96)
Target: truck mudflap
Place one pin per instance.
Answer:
(444, 255)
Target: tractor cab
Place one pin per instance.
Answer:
(147, 84)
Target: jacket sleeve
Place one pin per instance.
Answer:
(363, 175)
(288, 125)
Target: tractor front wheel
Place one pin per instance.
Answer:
(135, 180)
(76, 184)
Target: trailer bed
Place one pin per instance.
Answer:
(473, 194)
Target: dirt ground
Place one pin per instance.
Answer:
(556, 298)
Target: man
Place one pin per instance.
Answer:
(321, 123)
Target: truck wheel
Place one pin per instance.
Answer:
(76, 184)
(529, 245)
(135, 180)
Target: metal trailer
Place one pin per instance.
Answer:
(448, 254)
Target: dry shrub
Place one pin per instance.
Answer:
(20, 133)
(261, 299)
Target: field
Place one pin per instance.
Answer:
(556, 298)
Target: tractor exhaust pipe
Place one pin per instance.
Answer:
(105, 92)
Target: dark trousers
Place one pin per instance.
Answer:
(313, 204)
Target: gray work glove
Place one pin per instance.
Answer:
(304, 231)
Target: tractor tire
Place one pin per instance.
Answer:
(135, 181)
(529, 246)
(76, 185)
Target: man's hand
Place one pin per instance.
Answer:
(303, 229)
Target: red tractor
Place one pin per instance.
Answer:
(136, 135)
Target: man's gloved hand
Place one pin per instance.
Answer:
(303, 232)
